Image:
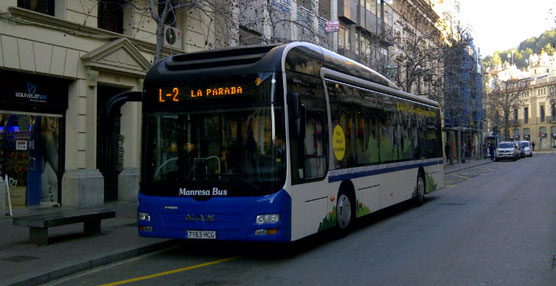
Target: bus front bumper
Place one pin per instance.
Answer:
(258, 218)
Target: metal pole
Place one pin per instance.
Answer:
(9, 196)
(458, 145)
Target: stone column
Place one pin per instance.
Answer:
(82, 183)
(128, 179)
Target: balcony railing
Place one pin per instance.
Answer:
(282, 5)
(305, 15)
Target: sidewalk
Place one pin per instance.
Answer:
(69, 250)
(468, 164)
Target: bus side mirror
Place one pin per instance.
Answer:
(297, 115)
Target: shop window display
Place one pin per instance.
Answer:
(29, 156)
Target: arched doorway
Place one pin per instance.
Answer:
(109, 142)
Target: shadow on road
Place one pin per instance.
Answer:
(276, 251)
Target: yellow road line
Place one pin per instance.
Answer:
(467, 178)
(450, 186)
(170, 272)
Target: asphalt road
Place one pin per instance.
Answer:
(494, 224)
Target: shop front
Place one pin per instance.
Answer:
(543, 139)
(32, 124)
(553, 137)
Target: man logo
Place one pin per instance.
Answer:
(201, 218)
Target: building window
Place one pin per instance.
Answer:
(344, 38)
(553, 112)
(526, 115)
(516, 134)
(111, 15)
(41, 6)
(515, 115)
(171, 17)
(542, 113)
(388, 14)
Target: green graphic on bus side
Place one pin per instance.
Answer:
(362, 209)
(329, 221)
(430, 184)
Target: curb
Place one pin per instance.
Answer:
(70, 268)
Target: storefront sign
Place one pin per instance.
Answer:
(33, 93)
(21, 145)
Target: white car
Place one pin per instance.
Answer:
(507, 150)
(526, 147)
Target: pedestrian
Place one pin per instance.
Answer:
(447, 151)
(533, 145)
(491, 151)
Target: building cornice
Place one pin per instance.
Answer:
(29, 17)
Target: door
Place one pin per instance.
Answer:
(109, 142)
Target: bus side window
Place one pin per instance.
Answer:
(342, 113)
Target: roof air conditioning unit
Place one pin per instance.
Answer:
(172, 37)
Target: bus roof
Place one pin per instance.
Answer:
(249, 59)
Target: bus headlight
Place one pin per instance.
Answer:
(143, 216)
(268, 218)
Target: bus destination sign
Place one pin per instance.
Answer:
(175, 94)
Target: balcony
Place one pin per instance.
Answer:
(515, 123)
(305, 16)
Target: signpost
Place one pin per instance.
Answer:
(332, 26)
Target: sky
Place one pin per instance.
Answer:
(499, 25)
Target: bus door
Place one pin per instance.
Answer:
(308, 151)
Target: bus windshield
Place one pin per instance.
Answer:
(220, 151)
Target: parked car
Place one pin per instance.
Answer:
(507, 150)
(526, 148)
(519, 149)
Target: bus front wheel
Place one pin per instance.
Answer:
(344, 213)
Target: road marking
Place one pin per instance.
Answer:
(170, 272)
(460, 176)
(450, 186)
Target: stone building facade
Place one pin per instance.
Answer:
(535, 119)
(61, 61)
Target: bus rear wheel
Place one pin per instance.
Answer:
(344, 213)
(420, 190)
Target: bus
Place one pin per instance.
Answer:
(275, 143)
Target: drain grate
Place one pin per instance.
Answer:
(20, 258)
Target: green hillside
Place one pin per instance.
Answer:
(545, 42)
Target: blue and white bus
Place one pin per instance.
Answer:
(276, 143)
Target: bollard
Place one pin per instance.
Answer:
(3, 200)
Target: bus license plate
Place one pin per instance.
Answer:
(198, 234)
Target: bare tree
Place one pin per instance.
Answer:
(503, 99)
(274, 21)
(418, 46)
(221, 15)
(228, 21)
